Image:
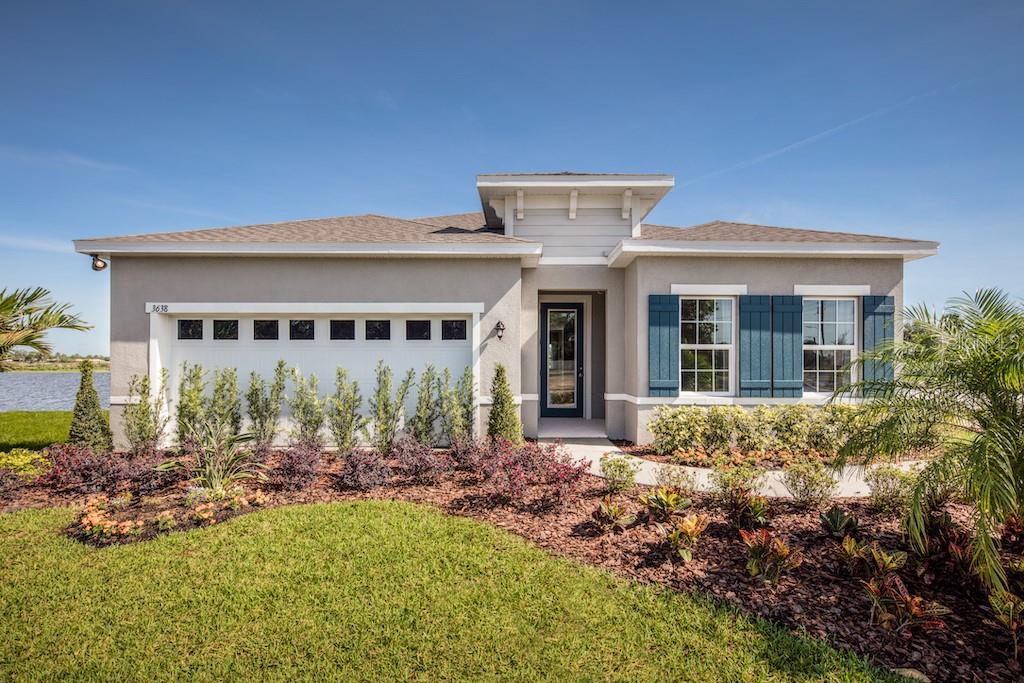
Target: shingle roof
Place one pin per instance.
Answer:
(368, 228)
(724, 231)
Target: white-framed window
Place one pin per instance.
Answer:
(830, 343)
(707, 343)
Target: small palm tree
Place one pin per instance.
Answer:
(959, 386)
(25, 317)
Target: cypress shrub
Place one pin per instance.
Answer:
(503, 422)
(89, 426)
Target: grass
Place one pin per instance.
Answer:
(361, 591)
(33, 429)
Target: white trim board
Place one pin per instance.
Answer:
(178, 308)
(627, 250)
(698, 400)
(699, 290)
(832, 290)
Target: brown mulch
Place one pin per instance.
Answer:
(816, 599)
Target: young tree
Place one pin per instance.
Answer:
(343, 416)
(189, 411)
(144, 418)
(265, 405)
(387, 412)
(88, 423)
(224, 410)
(427, 408)
(25, 317)
(503, 422)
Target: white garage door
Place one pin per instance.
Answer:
(319, 344)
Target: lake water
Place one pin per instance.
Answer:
(47, 390)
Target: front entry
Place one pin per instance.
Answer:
(561, 371)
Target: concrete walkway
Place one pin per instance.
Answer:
(851, 480)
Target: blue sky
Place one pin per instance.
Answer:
(901, 118)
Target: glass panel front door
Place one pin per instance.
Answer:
(562, 371)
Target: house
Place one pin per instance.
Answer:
(598, 316)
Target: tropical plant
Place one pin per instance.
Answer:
(144, 416)
(853, 554)
(264, 403)
(386, 411)
(677, 478)
(1009, 611)
(736, 488)
(682, 538)
(619, 472)
(837, 524)
(663, 504)
(612, 517)
(882, 562)
(809, 482)
(768, 556)
(224, 409)
(424, 421)
(895, 609)
(503, 421)
(220, 462)
(959, 388)
(307, 411)
(89, 425)
(26, 315)
(190, 407)
(342, 409)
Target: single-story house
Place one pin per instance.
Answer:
(598, 316)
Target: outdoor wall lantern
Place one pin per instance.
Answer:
(500, 329)
(98, 264)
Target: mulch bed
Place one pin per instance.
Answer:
(816, 599)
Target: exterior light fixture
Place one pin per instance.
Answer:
(98, 264)
(500, 329)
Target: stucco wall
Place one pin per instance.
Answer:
(773, 276)
(137, 280)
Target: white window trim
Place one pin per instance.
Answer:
(827, 291)
(854, 348)
(731, 347)
(709, 290)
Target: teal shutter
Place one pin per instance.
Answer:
(787, 346)
(755, 346)
(879, 328)
(663, 344)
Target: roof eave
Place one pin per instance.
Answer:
(627, 250)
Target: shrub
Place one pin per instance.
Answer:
(837, 524)
(881, 562)
(682, 538)
(468, 454)
(563, 479)
(754, 430)
(23, 462)
(503, 420)
(453, 419)
(386, 412)
(675, 477)
(792, 426)
(144, 415)
(419, 462)
(664, 504)
(768, 556)
(809, 482)
(224, 410)
(189, 410)
(89, 425)
(889, 488)
(677, 428)
(619, 472)
(465, 389)
(895, 609)
(736, 488)
(611, 517)
(220, 462)
(507, 472)
(424, 420)
(830, 428)
(307, 411)
(721, 427)
(264, 403)
(853, 554)
(343, 418)
(79, 468)
(297, 468)
(363, 470)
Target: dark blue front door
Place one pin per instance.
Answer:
(561, 367)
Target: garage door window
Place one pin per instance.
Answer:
(343, 329)
(453, 329)
(378, 330)
(417, 330)
(190, 329)
(300, 329)
(264, 330)
(225, 329)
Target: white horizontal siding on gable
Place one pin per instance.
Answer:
(594, 232)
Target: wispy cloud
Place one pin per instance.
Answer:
(172, 208)
(57, 158)
(818, 137)
(51, 246)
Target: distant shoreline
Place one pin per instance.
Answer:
(56, 366)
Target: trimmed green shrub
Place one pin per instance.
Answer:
(678, 428)
(23, 462)
(466, 392)
(453, 419)
(386, 412)
(754, 430)
(810, 483)
(831, 426)
(265, 405)
(722, 427)
(190, 407)
(675, 477)
(792, 426)
(89, 425)
(144, 416)
(343, 418)
(307, 412)
(224, 410)
(889, 488)
(503, 421)
(619, 472)
(424, 420)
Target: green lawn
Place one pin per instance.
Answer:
(361, 591)
(34, 429)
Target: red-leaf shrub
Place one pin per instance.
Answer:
(364, 469)
(469, 454)
(298, 467)
(77, 467)
(420, 462)
(510, 470)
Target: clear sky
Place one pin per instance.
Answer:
(896, 118)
